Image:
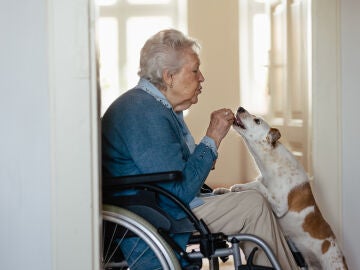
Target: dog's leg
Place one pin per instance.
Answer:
(333, 257)
(242, 187)
(278, 207)
(221, 190)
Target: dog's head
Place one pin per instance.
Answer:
(253, 128)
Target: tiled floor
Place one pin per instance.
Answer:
(223, 266)
(228, 265)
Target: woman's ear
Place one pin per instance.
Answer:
(167, 78)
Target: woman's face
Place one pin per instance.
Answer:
(186, 84)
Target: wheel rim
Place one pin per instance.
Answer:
(129, 222)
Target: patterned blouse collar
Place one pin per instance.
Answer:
(152, 90)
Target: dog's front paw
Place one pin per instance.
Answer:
(237, 188)
(222, 190)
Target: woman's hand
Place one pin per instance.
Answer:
(220, 123)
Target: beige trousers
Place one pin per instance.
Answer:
(247, 212)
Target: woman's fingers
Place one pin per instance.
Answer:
(220, 123)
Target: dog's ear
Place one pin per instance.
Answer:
(273, 136)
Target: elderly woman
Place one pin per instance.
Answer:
(144, 131)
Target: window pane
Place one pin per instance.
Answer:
(260, 50)
(108, 62)
(105, 2)
(138, 30)
(148, 2)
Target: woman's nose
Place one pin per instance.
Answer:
(201, 77)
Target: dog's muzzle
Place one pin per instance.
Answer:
(238, 121)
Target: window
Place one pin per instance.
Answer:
(123, 27)
(254, 55)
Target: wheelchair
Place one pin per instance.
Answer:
(135, 227)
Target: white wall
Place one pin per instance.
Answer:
(49, 204)
(350, 44)
(25, 227)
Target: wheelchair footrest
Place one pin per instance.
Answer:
(250, 266)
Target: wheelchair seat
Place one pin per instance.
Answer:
(130, 200)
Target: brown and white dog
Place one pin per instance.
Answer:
(284, 183)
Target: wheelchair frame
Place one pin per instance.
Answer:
(139, 220)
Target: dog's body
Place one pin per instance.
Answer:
(284, 183)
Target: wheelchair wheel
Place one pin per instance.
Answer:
(127, 237)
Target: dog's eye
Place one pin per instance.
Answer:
(257, 121)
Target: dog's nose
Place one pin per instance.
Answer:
(241, 110)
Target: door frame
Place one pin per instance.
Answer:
(326, 110)
(74, 118)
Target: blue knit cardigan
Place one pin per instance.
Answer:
(142, 134)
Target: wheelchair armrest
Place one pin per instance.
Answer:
(112, 185)
(149, 178)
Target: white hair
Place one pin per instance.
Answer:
(163, 51)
